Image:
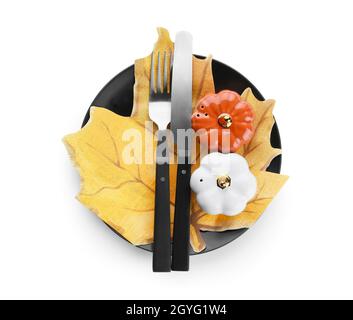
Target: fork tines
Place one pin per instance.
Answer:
(161, 63)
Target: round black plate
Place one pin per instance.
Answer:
(117, 96)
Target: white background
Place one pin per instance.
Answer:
(54, 58)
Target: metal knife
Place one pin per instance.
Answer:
(181, 127)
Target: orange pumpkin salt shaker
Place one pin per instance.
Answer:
(224, 116)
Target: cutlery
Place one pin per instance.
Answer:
(159, 110)
(181, 121)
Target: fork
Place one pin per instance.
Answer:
(159, 110)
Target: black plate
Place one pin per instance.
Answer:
(117, 96)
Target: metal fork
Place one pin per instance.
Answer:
(160, 113)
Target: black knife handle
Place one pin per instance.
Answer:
(161, 245)
(181, 235)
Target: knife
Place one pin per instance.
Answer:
(181, 124)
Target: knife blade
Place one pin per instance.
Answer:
(181, 125)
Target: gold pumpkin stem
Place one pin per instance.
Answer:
(225, 120)
(224, 182)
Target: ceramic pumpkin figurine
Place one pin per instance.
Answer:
(223, 183)
(225, 119)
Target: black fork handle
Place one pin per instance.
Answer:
(161, 245)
